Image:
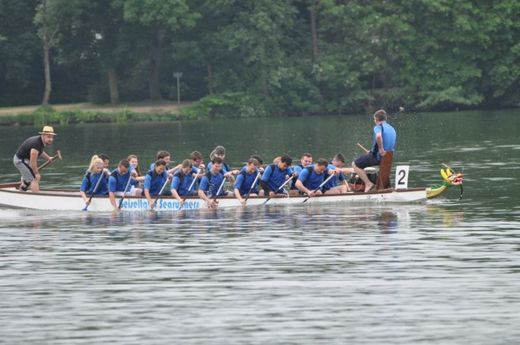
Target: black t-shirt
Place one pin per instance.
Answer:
(24, 151)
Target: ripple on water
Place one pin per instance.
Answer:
(264, 275)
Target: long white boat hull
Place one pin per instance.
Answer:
(72, 201)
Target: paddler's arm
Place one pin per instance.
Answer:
(236, 191)
(176, 195)
(203, 196)
(149, 198)
(302, 188)
(111, 194)
(46, 156)
(112, 198)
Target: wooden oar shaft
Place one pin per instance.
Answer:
(363, 148)
(53, 158)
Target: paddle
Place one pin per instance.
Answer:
(363, 148)
(219, 189)
(161, 191)
(319, 187)
(95, 190)
(53, 158)
(191, 186)
(252, 186)
(283, 185)
(124, 192)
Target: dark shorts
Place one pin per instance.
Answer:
(367, 160)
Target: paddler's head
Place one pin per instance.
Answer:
(321, 166)
(306, 159)
(186, 166)
(285, 162)
(216, 165)
(338, 161)
(123, 166)
(164, 155)
(252, 165)
(160, 166)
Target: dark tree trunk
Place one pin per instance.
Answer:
(47, 70)
(210, 78)
(154, 67)
(112, 85)
(314, 34)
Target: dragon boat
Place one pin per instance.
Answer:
(70, 200)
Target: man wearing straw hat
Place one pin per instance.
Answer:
(25, 159)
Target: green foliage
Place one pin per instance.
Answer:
(257, 58)
(449, 98)
(47, 115)
(230, 104)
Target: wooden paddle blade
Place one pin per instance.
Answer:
(58, 154)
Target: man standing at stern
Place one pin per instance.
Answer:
(26, 158)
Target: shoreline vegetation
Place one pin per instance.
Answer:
(80, 113)
(230, 105)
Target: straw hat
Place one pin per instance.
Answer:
(47, 130)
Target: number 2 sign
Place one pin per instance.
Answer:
(401, 176)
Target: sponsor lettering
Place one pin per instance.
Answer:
(171, 205)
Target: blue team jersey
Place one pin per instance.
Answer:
(90, 181)
(275, 177)
(181, 183)
(336, 180)
(244, 181)
(154, 182)
(311, 179)
(211, 183)
(117, 182)
(389, 138)
(297, 169)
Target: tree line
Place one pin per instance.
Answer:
(259, 57)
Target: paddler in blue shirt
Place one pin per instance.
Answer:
(182, 181)
(119, 185)
(305, 161)
(312, 177)
(211, 184)
(275, 175)
(383, 143)
(95, 173)
(337, 184)
(247, 181)
(155, 180)
(220, 152)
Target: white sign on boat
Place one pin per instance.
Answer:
(401, 176)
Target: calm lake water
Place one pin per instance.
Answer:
(444, 272)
